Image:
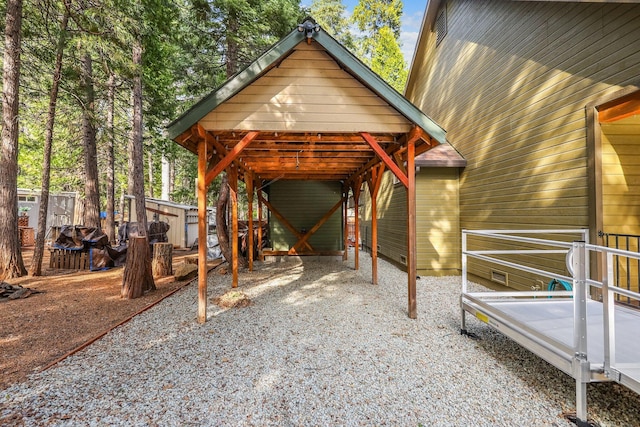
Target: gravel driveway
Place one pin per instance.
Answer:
(318, 346)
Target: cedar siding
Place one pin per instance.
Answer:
(303, 204)
(510, 82)
(437, 227)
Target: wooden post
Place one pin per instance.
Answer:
(356, 202)
(345, 213)
(374, 186)
(249, 182)
(202, 231)
(137, 278)
(411, 231)
(260, 256)
(162, 264)
(233, 187)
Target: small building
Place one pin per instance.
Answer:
(182, 219)
(61, 209)
(437, 214)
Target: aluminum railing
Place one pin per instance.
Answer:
(579, 255)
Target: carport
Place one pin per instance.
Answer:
(306, 110)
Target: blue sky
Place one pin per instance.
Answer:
(411, 20)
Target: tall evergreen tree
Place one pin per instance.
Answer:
(379, 46)
(331, 16)
(11, 264)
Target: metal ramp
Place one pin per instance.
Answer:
(582, 332)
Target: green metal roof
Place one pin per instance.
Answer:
(280, 51)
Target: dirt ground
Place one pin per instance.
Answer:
(74, 308)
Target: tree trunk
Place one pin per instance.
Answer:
(221, 219)
(165, 178)
(11, 264)
(91, 188)
(136, 149)
(137, 277)
(38, 252)
(110, 226)
(162, 264)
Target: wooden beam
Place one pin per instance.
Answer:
(158, 211)
(202, 232)
(621, 108)
(314, 253)
(248, 179)
(231, 156)
(374, 186)
(284, 221)
(345, 223)
(315, 228)
(411, 232)
(233, 192)
(356, 200)
(260, 253)
(388, 161)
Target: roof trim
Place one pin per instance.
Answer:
(277, 52)
(443, 155)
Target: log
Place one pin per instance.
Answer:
(162, 264)
(137, 277)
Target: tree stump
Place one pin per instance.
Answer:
(162, 264)
(137, 277)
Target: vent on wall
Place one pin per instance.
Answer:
(500, 277)
(441, 24)
(403, 259)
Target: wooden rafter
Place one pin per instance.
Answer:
(388, 161)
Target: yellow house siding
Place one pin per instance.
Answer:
(509, 83)
(437, 225)
(621, 183)
(307, 81)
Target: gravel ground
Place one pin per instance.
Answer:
(318, 345)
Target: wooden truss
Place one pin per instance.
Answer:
(258, 157)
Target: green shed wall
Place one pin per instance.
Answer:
(303, 204)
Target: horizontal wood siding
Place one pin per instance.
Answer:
(308, 91)
(303, 204)
(438, 232)
(509, 83)
(621, 183)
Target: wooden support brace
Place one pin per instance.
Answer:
(231, 156)
(315, 228)
(284, 221)
(388, 161)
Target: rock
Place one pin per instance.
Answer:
(186, 271)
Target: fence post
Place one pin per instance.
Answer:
(581, 369)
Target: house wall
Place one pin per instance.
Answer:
(179, 235)
(437, 225)
(510, 82)
(303, 204)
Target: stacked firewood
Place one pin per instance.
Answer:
(9, 292)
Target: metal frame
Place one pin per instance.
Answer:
(587, 352)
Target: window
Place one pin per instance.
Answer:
(30, 199)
